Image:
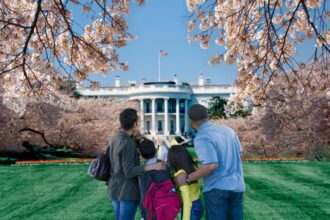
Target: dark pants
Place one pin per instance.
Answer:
(223, 205)
(196, 210)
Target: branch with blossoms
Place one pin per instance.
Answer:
(261, 38)
(40, 40)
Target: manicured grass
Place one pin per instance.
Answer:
(274, 191)
(52, 192)
(287, 190)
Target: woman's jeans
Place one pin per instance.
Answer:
(124, 210)
(197, 210)
(223, 204)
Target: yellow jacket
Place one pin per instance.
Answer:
(189, 193)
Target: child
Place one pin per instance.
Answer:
(158, 204)
(180, 161)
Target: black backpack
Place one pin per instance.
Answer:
(100, 168)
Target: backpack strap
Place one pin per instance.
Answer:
(107, 152)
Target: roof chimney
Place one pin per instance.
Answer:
(117, 81)
(201, 81)
(175, 79)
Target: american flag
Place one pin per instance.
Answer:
(163, 53)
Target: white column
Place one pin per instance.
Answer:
(186, 122)
(153, 116)
(166, 117)
(177, 130)
(142, 116)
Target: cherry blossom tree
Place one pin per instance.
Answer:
(40, 39)
(87, 128)
(261, 37)
(294, 120)
(8, 129)
(296, 115)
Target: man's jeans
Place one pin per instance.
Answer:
(124, 210)
(197, 210)
(223, 204)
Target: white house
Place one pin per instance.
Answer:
(164, 105)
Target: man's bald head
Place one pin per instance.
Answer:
(197, 112)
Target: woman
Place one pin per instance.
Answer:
(123, 187)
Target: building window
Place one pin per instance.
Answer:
(181, 107)
(160, 106)
(182, 123)
(172, 124)
(160, 126)
(172, 106)
(148, 107)
(148, 127)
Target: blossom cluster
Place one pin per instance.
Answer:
(260, 37)
(40, 39)
(294, 118)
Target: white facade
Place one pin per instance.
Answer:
(164, 105)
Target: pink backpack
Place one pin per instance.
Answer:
(161, 201)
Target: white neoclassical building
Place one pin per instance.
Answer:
(163, 105)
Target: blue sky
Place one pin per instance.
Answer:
(162, 24)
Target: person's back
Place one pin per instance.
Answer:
(222, 146)
(218, 149)
(156, 186)
(124, 178)
(181, 162)
(123, 187)
(145, 182)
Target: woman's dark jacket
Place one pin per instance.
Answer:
(125, 168)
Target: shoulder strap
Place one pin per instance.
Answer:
(107, 151)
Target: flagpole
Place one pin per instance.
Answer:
(158, 66)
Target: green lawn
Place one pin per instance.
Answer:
(274, 191)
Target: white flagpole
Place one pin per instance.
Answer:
(159, 66)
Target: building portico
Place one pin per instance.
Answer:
(164, 116)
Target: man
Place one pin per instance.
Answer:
(218, 149)
(123, 187)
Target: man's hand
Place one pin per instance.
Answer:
(181, 179)
(201, 172)
(160, 166)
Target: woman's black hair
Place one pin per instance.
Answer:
(179, 158)
(128, 117)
